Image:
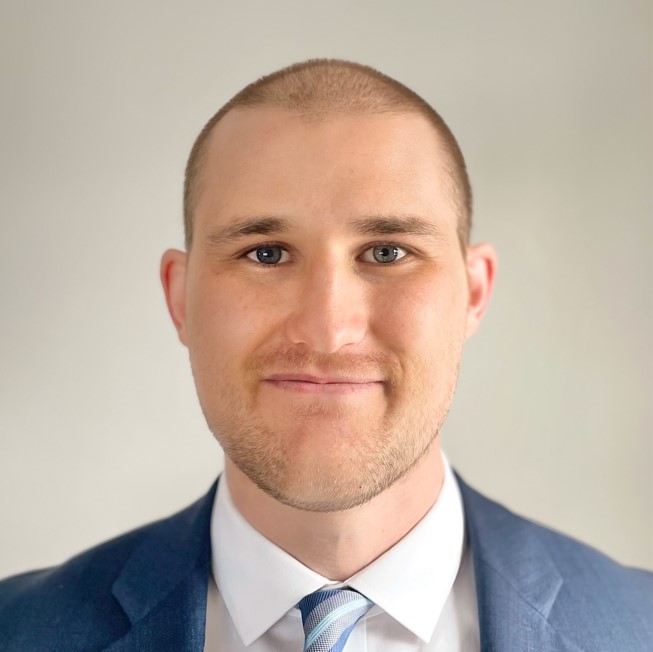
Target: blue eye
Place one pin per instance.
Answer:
(383, 254)
(268, 254)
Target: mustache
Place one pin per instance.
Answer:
(347, 365)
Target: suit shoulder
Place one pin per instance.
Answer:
(98, 562)
(37, 606)
(572, 556)
(581, 563)
(598, 600)
(595, 578)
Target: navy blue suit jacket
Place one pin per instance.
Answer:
(146, 591)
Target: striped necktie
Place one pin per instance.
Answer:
(329, 617)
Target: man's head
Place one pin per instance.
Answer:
(324, 300)
(321, 88)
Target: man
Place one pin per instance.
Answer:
(325, 293)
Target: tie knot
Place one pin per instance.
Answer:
(329, 617)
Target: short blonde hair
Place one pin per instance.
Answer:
(319, 88)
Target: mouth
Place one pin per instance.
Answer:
(309, 384)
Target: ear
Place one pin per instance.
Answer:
(173, 279)
(481, 270)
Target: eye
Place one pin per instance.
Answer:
(385, 253)
(268, 254)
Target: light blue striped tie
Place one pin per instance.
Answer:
(329, 617)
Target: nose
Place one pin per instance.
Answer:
(329, 311)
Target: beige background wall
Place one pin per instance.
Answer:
(99, 425)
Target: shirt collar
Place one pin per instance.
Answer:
(260, 583)
(412, 580)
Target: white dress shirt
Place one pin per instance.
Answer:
(422, 588)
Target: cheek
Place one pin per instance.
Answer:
(228, 319)
(422, 318)
(215, 320)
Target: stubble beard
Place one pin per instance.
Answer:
(372, 459)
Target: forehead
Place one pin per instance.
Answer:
(272, 161)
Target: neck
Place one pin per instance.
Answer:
(339, 544)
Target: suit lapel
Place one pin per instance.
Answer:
(517, 582)
(162, 587)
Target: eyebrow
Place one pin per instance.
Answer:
(243, 227)
(367, 226)
(395, 224)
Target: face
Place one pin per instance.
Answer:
(325, 300)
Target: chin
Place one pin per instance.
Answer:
(316, 497)
(325, 461)
(322, 481)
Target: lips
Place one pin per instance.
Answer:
(320, 380)
(328, 384)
